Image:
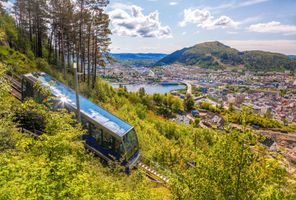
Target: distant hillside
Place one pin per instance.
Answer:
(137, 59)
(143, 56)
(215, 55)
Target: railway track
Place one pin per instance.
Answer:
(152, 174)
(16, 87)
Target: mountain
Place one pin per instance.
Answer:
(142, 56)
(215, 55)
(137, 59)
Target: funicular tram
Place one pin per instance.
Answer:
(108, 136)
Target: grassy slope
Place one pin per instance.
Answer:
(17, 61)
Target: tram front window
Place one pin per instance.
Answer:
(131, 145)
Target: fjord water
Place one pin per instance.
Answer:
(151, 88)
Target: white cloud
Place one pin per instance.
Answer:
(250, 3)
(287, 47)
(203, 18)
(223, 21)
(273, 27)
(252, 19)
(198, 16)
(118, 5)
(7, 5)
(173, 3)
(130, 21)
(232, 32)
(236, 4)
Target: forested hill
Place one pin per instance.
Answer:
(137, 59)
(216, 55)
(142, 56)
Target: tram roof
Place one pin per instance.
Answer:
(93, 111)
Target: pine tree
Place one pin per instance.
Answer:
(69, 30)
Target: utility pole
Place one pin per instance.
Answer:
(77, 93)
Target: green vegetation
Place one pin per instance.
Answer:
(254, 119)
(56, 165)
(229, 164)
(196, 122)
(189, 103)
(135, 62)
(231, 169)
(266, 61)
(210, 107)
(234, 116)
(17, 61)
(9, 31)
(215, 55)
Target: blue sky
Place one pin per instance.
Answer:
(163, 26)
(168, 25)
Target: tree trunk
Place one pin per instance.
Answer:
(63, 54)
(95, 64)
(88, 56)
(80, 34)
(50, 46)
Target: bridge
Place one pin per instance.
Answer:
(189, 88)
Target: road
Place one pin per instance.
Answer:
(189, 88)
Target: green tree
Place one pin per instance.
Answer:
(231, 169)
(6, 107)
(268, 114)
(196, 122)
(142, 92)
(283, 92)
(189, 103)
(231, 107)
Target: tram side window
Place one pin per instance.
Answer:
(104, 139)
(85, 123)
(97, 134)
(119, 148)
(108, 141)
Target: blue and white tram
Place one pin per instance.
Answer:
(108, 136)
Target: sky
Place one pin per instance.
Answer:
(164, 26)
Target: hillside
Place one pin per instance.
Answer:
(144, 56)
(137, 59)
(215, 55)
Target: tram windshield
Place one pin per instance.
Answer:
(130, 142)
